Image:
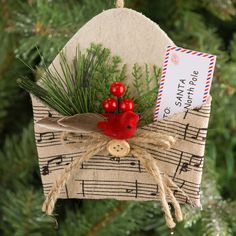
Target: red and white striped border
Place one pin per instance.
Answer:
(209, 79)
(164, 70)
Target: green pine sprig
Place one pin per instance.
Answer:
(146, 85)
(72, 91)
(82, 85)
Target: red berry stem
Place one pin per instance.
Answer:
(118, 101)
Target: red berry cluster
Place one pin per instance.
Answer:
(118, 89)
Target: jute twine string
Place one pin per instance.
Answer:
(178, 211)
(150, 165)
(120, 3)
(93, 143)
(158, 139)
(93, 149)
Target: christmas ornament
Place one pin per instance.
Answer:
(167, 154)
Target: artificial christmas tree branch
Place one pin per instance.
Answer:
(73, 94)
(108, 218)
(87, 80)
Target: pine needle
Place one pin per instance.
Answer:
(83, 84)
(73, 91)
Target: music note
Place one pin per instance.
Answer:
(129, 190)
(184, 167)
(177, 168)
(139, 167)
(45, 136)
(196, 160)
(45, 170)
(197, 109)
(83, 190)
(133, 190)
(181, 186)
(177, 192)
(201, 135)
(156, 192)
(134, 163)
(58, 160)
(187, 200)
(186, 131)
(116, 159)
(67, 192)
(185, 114)
(71, 159)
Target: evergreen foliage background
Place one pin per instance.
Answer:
(26, 25)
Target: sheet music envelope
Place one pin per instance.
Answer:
(108, 177)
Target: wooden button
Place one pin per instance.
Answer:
(118, 148)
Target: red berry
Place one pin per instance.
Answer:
(117, 89)
(109, 105)
(126, 105)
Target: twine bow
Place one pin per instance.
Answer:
(93, 143)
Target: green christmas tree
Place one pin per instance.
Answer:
(32, 28)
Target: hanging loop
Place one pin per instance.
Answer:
(120, 3)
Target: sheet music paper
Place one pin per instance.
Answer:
(107, 177)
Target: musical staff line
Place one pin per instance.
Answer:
(50, 139)
(47, 187)
(129, 164)
(135, 189)
(188, 185)
(185, 131)
(189, 132)
(45, 139)
(197, 113)
(51, 164)
(41, 112)
(172, 156)
(130, 189)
